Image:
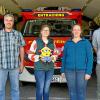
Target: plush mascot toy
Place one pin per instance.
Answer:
(45, 55)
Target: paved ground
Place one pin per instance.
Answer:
(57, 92)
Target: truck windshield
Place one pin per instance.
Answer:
(59, 27)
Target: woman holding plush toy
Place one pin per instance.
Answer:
(43, 55)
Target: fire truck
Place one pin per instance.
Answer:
(61, 22)
(1, 21)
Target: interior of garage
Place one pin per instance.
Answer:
(91, 21)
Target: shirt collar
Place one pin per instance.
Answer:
(83, 39)
(9, 32)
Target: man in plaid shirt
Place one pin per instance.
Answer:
(11, 48)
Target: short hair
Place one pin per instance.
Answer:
(9, 15)
(42, 27)
(45, 25)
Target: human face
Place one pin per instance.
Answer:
(45, 32)
(9, 22)
(76, 31)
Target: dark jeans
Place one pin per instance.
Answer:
(43, 80)
(76, 84)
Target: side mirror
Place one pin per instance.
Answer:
(18, 19)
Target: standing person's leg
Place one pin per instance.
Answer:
(48, 78)
(40, 77)
(98, 81)
(81, 85)
(14, 81)
(71, 82)
(3, 79)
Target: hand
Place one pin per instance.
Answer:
(57, 52)
(87, 77)
(42, 59)
(53, 57)
(21, 68)
(62, 75)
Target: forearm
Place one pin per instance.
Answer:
(32, 50)
(22, 54)
(89, 56)
(95, 49)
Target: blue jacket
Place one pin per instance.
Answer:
(77, 56)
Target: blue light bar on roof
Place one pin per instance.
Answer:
(27, 10)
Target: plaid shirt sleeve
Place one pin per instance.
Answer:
(21, 40)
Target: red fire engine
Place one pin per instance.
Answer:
(1, 21)
(60, 22)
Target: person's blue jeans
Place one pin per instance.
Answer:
(43, 80)
(76, 84)
(14, 81)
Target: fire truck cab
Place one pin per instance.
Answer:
(61, 22)
(1, 21)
